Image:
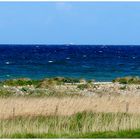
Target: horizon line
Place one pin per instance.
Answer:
(72, 44)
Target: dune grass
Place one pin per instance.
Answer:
(79, 125)
(43, 87)
(19, 82)
(40, 83)
(63, 86)
(128, 80)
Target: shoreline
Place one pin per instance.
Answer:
(60, 87)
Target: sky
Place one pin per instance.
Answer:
(96, 23)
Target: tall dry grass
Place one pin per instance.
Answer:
(22, 115)
(24, 106)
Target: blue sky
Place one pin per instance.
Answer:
(70, 22)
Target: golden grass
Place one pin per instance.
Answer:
(25, 106)
(58, 116)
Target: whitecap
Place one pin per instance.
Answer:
(133, 57)
(100, 51)
(84, 55)
(7, 62)
(67, 58)
(50, 61)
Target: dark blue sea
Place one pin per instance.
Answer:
(99, 62)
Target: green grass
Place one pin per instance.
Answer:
(80, 125)
(49, 82)
(109, 134)
(83, 86)
(42, 82)
(19, 82)
(128, 80)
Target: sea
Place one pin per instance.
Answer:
(97, 62)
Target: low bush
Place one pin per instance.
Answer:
(128, 80)
(84, 86)
(49, 82)
(20, 82)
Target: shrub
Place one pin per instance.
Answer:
(128, 80)
(5, 93)
(123, 88)
(20, 82)
(84, 86)
(49, 82)
(70, 80)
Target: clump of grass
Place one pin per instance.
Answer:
(25, 89)
(5, 93)
(79, 124)
(128, 80)
(49, 82)
(123, 87)
(44, 83)
(87, 85)
(70, 80)
(20, 82)
(83, 86)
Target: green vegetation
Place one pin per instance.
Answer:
(44, 87)
(20, 82)
(123, 87)
(39, 83)
(59, 86)
(33, 92)
(80, 125)
(49, 82)
(109, 134)
(4, 93)
(44, 82)
(128, 80)
(84, 86)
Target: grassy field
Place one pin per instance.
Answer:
(85, 124)
(24, 117)
(69, 108)
(33, 106)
